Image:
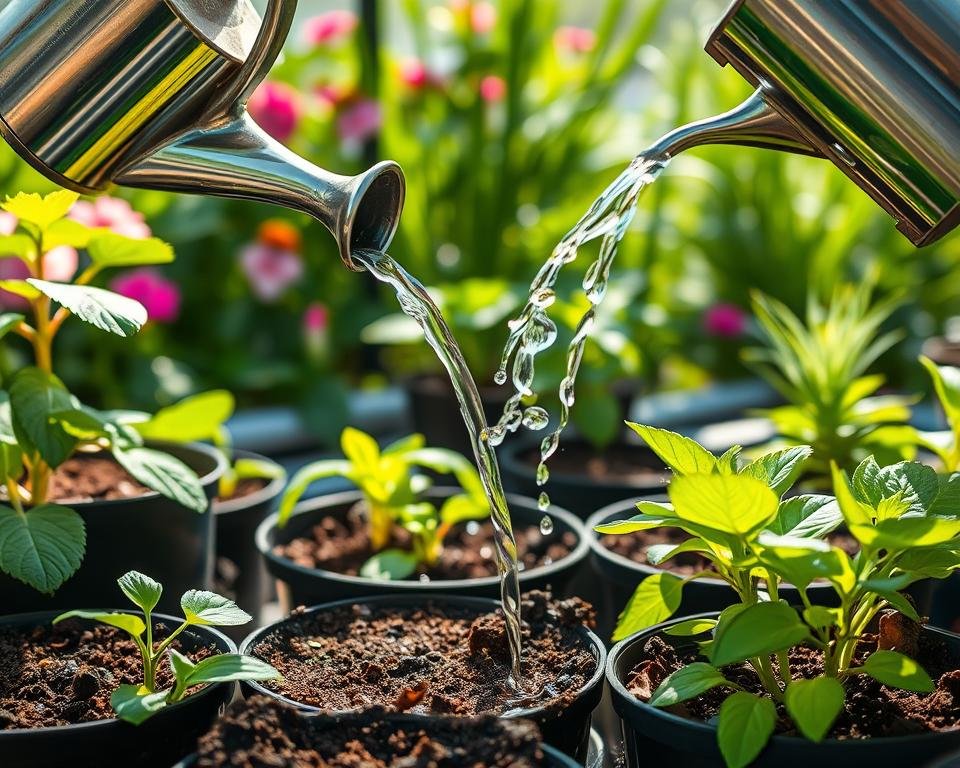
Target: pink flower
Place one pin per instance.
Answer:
(493, 88)
(725, 320)
(315, 318)
(59, 265)
(359, 121)
(483, 17)
(316, 337)
(276, 108)
(413, 74)
(330, 27)
(8, 223)
(270, 270)
(574, 39)
(112, 213)
(160, 296)
(332, 95)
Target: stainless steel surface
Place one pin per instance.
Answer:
(153, 93)
(873, 85)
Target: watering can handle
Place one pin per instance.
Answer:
(277, 19)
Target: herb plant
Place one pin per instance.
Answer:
(136, 703)
(41, 423)
(391, 489)
(946, 386)
(820, 368)
(907, 522)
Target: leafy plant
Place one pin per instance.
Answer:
(136, 703)
(820, 368)
(906, 521)
(391, 489)
(41, 423)
(946, 386)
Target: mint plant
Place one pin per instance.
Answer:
(136, 703)
(821, 369)
(392, 490)
(907, 522)
(41, 423)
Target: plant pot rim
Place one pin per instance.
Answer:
(269, 524)
(483, 604)
(266, 494)
(45, 617)
(619, 690)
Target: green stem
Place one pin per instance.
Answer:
(166, 643)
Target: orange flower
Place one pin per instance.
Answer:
(279, 234)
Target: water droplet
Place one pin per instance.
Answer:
(543, 298)
(543, 501)
(424, 578)
(548, 445)
(535, 417)
(500, 377)
(540, 333)
(543, 473)
(546, 523)
(473, 528)
(523, 373)
(567, 393)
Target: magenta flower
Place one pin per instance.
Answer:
(574, 39)
(493, 88)
(724, 320)
(413, 74)
(330, 27)
(315, 318)
(270, 270)
(59, 265)
(159, 296)
(276, 108)
(359, 121)
(112, 213)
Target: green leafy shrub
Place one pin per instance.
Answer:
(392, 490)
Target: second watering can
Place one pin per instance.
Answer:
(152, 93)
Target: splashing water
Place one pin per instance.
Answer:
(546, 525)
(532, 331)
(416, 302)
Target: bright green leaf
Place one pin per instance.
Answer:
(808, 516)
(779, 469)
(690, 627)
(208, 608)
(659, 553)
(108, 249)
(820, 617)
(66, 232)
(304, 478)
(744, 727)
(103, 309)
(687, 683)
(18, 245)
(814, 705)
(134, 705)
(141, 590)
(132, 625)
(683, 455)
(897, 671)
(361, 449)
(946, 383)
(199, 417)
(42, 547)
(733, 504)
(20, 288)
(11, 461)
(758, 630)
(656, 599)
(259, 469)
(164, 474)
(42, 211)
(854, 511)
(34, 397)
(226, 667)
(389, 565)
(907, 532)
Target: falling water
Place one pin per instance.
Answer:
(416, 302)
(532, 331)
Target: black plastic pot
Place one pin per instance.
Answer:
(619, 577)
(164, 738)
(653, 736)
(238, 571)
(310, 586)
(149, 533)
(568, 730)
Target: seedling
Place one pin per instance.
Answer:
(136, 703)
(391, 489)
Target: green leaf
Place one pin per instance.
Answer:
(132, 625)
(758, 630)
(899, 602)
(683, 455)
(918, 484)
(659, 553)
(199, 417)
(389, 565)
(597, 416)
(728, 462)
(898, 534)
(18, 245)
(34, 397)
(42, 547)
(814, 705)
(896, 670)
(226, 667)
(304, 478)
(210, 609)
(656, 599)
(690, 627)
(687, 683)
(11, 461)
(946, 383)
(730, 503)
(135, 705)
(103, 309)
(933, 563)
(141, 590)
(780, 469)
(42, 211)
(744, 727)
(854, 511)
(801, 561)
(257, 469)
(108, 249)
(819, 617)
(361, 449)
(866, 484)
(164, 474)
(462, 506)
(9, 321)
(808, 516)
(181, 667)
(66, 232)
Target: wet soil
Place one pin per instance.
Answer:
(65, 674)
(263, 732)
(871, 709)
(431, 659)
(468, 550)
(93, 478)
(246, 487)
(619, 463)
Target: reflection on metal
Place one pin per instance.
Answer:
(152, 93)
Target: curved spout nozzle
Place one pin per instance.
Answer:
(753, 123)
(238, 159)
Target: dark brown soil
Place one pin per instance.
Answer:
(65, 674)
(93, 478)
(619, 463)
(262, 732)
(343, 547)
(246, 487)
(430, 659)
(871, 709)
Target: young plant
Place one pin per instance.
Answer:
(907, 521)
(41, 423)
(820, 368)
(946, 386)
(136, 703)
(391, 489)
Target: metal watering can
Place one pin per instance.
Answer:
(871, 85)
(152, 93)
